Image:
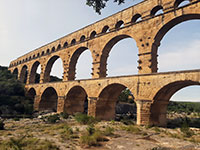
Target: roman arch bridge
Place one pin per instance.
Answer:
(151, 90)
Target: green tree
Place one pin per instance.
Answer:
(12, 95)
(98, 5)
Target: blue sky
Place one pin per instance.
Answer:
(28, 24)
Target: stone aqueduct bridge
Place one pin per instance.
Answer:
(151, 90)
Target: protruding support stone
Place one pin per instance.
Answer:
(37, 102)
(143, 112)
(60, 104)
(92, 102)
(159, 113)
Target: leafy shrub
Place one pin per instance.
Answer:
(67, 132)
(187, 132)
(92, 137)
(85, 119)
(53, 118)
(131, 128)
(108, 131)
(1, 125)
(64, 115)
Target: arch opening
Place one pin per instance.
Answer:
(81, 61)
(35, 73)
(136, 18)
(54, 70)
(49, 100)
(58, 47)
(93, 34)
(15, 73)
(24, 74)
(157, 10)
(119, 24)
(119, 63)
(116, 102)
(65, 45)
(105, 29)
(162, 98)
(31, 94)
(76, 101)
(82, 39)
(177, 44)
(73, 42)
(53, 49)
(181, 3)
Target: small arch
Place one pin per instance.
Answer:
(38, 54)
(119, 24)
(136, 18)
(180, 3)
(49, 100)
(30, 58)
(48, 51)
(58, 47)
(42, 53)
(65, 45)
(156, 10)
(53, 49)
(73, 42)
(82, 38)
(105, 29)
(76, 101)
(93, 34)
(34, 56)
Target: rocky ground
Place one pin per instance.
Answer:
(68, 134)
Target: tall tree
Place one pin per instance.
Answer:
(98, 5)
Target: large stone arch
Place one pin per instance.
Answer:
(49, 100)
(105, 106)
(106, 50)
(31, 93)
(73, 61)
(23, 74)
(166, 27)
(49, 66)
(15, 72)
(161, 99)
(33, 72)
(75, 100)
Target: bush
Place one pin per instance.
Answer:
(92, 137)
(64, 115)
(131, 128)
(53, 118)
(1, 125)
(85, 119)
(108, 131)
(187, 132)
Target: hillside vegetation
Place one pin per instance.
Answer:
(13, 101)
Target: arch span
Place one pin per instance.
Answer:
(33, 72)
(76, 100)
(24, 74)
(105, 107)
(31, 93)
(161, 100)
(15, 73)
(49, 100)
(164, 29)
(73, 62)
(105, 53)
(49, 66)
